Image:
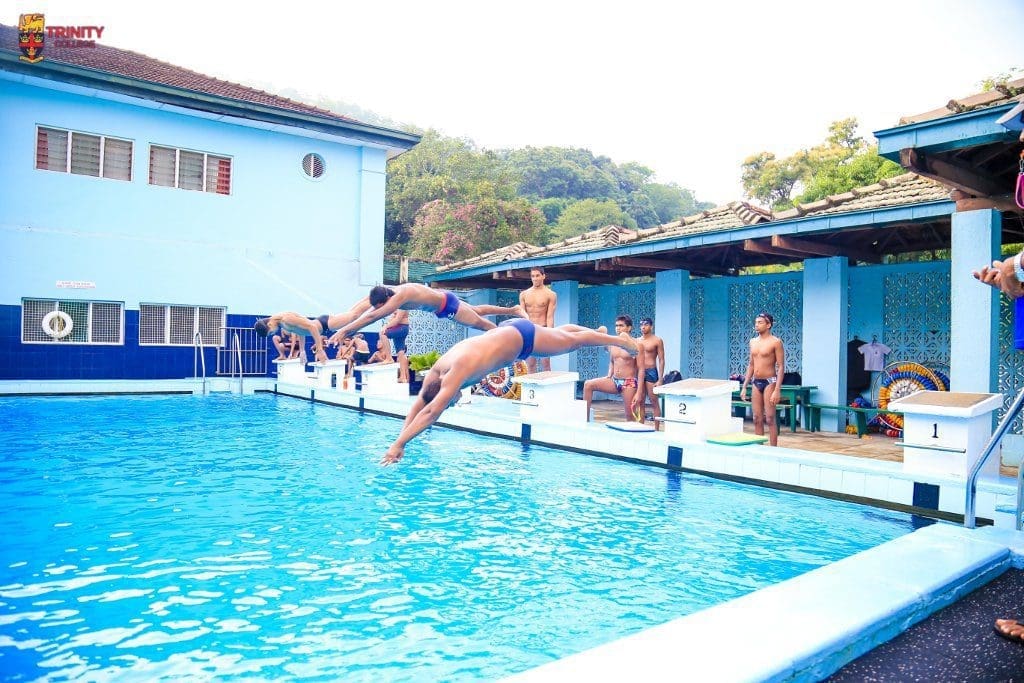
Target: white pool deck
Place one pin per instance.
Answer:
(802, 629)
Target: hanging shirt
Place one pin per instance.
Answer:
(874, 355)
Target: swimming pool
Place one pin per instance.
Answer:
(221, 536)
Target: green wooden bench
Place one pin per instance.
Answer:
(739, 409)
(861, 416)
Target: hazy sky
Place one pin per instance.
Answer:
(689, 90)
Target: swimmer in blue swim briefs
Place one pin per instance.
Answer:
(385, 300)
(654, 362)
(472, 359)
(765, 370)
(296, 324)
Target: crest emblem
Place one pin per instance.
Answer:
(31, 32)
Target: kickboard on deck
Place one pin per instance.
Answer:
(737, 439)
(630, 426)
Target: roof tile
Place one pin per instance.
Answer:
(114, 60)
(1001, 94)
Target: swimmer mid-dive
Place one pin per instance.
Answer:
(472, 359)
(297, 324)
(383, 301)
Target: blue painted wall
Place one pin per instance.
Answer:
(279, 241)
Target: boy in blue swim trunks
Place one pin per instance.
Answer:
(654, 364)
(765, 370)
(383, 301)
(296, 325)
(472, 359)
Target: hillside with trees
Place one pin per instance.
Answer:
(448, 199)
(841, 162)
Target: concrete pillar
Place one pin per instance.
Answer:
(715, 328)
(477, 298)
(567, 311)
(974, 314)
(672, 317)
(824, 334)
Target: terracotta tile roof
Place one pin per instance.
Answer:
(1001, 94)
(727, 217)
(734, 215)
(900, 190)
(113, 60)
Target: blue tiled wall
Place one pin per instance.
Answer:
(95, 361)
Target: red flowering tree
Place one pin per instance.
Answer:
(444, 232)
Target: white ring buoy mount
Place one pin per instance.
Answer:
(57, 324)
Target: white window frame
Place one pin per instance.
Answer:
(177, 168)
(56, 306)
(102, 153)
(166, 338)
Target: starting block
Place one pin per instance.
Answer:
(290, 370)
(550, 397)
(381, 379)
(698, 408)
(328, 374)
(944, 432)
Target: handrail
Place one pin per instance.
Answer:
(197, 356)
(238, 352)
(972, 478)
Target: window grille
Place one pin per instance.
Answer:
(313, 165)
(83, 154)
(92, 322)
(175, 325)
(185, 170)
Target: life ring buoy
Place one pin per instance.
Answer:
(499, 383)
(57, 324)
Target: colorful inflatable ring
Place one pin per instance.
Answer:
(903, 379)
(499, 383)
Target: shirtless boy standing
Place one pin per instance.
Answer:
(767, 365)
(625, 373)
(654, 364)
(539, 303)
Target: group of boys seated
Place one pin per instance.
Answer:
(354, 349)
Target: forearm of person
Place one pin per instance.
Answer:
(422, 419)
(370, 316)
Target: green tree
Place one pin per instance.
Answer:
(440, 167)
(445, 232)
(770, 180)
(589, 214)
(842, 162)
(671, 202)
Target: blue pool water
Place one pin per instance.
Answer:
(184, 538)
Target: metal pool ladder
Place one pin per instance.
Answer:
(972, 478)
(238, 355)
(197, 357)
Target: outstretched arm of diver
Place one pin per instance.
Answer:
(420, 420)
(372, 315)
